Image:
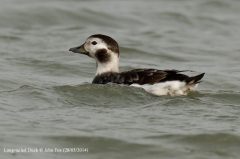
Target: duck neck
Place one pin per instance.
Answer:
(110, 66)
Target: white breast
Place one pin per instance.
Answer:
(173, 88)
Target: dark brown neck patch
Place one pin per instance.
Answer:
(103, 56)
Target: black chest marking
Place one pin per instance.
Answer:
(104, 78)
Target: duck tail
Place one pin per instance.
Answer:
(194, 79)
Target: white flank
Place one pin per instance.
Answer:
(172, 88)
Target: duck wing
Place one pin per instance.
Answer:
(145, 76)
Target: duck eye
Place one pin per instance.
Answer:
(94, 42)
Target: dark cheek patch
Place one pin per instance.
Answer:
(102, 55)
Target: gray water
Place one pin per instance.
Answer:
(47, 99)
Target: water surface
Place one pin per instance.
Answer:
(47, 99)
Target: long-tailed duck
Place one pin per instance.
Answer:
(105, 51)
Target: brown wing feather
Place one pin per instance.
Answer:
(145, 76)
(140, 76)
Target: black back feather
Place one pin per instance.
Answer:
(145, 76)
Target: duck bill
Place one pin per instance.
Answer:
(79, 49)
